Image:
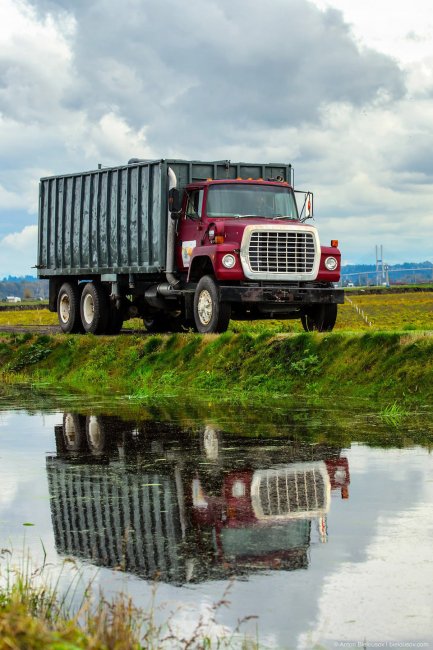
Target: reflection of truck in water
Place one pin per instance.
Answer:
(183, 243)
(149, 500)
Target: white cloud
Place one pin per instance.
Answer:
(21, 240)
(402, 30)
(18, 252)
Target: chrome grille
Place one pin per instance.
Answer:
(276, 251)
(285, 491)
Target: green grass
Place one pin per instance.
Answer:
(231, 367)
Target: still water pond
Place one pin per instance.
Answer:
(324, 538)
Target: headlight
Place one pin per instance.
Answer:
(229, 261)
(238, 489)
(331, 263)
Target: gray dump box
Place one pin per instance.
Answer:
(114, 220)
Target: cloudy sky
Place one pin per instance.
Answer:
(342, 89)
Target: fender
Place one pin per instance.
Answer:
(208, 258)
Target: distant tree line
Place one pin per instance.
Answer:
(26, 288)
(405, 273)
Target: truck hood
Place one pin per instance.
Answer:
(234, 228)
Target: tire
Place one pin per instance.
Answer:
(157, 323)
(164, 322)
(210, 314)
(68, 308)
(94, 309)
(73, 434)
(319, 318)
(115, 320)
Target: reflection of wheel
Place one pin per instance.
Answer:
(320, 318)
(96, 434)
(73, 434)
(94, 308)
(210, 314)
(68, 308)
(211, 443)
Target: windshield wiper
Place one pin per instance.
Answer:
(283, 216)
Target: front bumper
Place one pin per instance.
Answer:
(282, 295)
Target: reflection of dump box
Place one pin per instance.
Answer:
(117, 518)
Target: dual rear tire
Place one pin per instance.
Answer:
(87, 309)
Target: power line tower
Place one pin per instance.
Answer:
(380, 266)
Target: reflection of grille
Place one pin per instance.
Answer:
(290, 491)
(277, 251)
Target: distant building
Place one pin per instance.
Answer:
(13, 299)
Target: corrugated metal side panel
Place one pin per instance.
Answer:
(105, 221)
(117, 519)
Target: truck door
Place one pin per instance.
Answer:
(190, 228)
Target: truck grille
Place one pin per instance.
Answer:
(276, 251)
(290, 491)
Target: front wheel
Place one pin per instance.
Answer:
(319, 318)
(210, 314)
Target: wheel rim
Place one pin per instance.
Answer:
(95, 434)
(88, 308)
(211, 443)
(70, 430)
(65, 308)
(204, 307)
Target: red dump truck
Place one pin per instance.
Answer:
(184, 244)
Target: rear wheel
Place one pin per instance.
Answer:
(165, 322)
(319, 318)
(156, 323)
(94, 309)
(210, 314)
(68, 308)
(115, 320)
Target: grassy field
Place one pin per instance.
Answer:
(387, 311)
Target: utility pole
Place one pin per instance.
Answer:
(380, 266)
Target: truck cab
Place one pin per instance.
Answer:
(250, 241)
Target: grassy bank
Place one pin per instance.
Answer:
(35, 615)
(234, 367)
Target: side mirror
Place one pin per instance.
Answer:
(309, 205)
(174, 203)
(305, 203)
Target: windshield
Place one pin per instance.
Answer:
(239, 200)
